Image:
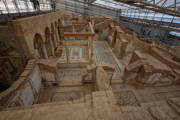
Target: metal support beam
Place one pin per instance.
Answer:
(91, 1)
(151, 25)
(153, 7)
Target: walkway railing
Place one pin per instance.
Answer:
(22, 6)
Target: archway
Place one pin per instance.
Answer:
(56, 32)
(59, 31)
(53, 36)
(48, 43)
(38, 44)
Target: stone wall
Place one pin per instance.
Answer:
(27, 28)
(36, 35)
(155, 64)
(25, 90)
(48, 73)
(5, 36)
(32, 29)
(151, 32)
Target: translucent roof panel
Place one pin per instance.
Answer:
(112, 4)
(168, 4)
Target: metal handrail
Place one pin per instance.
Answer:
(21, 6)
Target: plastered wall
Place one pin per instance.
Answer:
(25, 90)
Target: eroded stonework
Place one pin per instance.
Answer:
(91, 68)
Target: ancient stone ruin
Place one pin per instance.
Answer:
(87, 68)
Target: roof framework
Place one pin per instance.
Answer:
(170, 7)
(161, 14)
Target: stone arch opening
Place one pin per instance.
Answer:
(38, 45)
(59, 31)
(56, 30)
(48, 43)
(53, 36)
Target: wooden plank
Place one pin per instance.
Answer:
(80, 23)
(79, 34)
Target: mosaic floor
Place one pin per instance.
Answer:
(103, 54)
